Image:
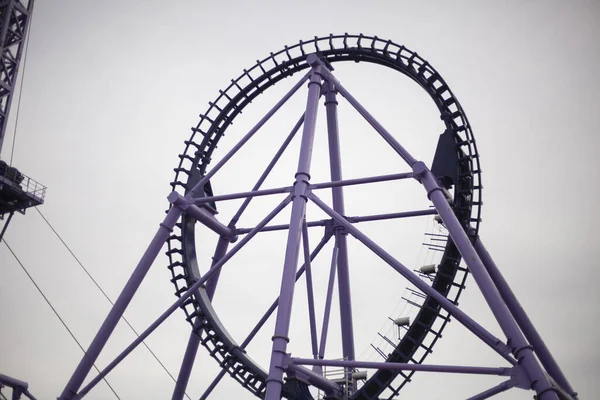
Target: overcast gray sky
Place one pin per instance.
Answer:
(111, 89)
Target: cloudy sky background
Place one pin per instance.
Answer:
(111, 89)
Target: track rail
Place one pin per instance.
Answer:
(422, 334)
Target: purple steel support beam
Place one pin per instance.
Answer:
(309, 292)
(501, 387)
(337, 193)
(282, 324)
(207, 219)
(370, 119)
(316, 380)
(517, 342)
(211, 284)
(523, 320)
(223, 242)
(328, 300)
(243, 195)
(267, 170)
(116, 312)
(287, 189)
(18, 387)
(194, 341)
(323, 222)
(380, 217)
(265, 317)
(186, 366)
(191, 290)
(361, 181)
(224, 160)
(496, 344)
(452, 369)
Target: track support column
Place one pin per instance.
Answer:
(522, 319)
(282, 324)
(340, 233)
(521, 350)
(194, 341)
(116, 312)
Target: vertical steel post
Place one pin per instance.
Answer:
(515, 339)
(186, 366)
(211, 284)
(340, 233)
(328, 300)
(116, 312)
(309, 291)
(522, 319)
(194, 341)
(282, 324)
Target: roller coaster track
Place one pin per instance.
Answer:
(422, 334)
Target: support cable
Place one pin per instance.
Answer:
(105, 295)
(55, 312)
(12, 151)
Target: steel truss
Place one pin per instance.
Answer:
(522, 343)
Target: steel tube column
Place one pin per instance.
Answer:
(191, 290)
(519, 346)
(337, 193)
(309, 292)
(522, 319)
(186, 366)
(282, 325)
(328, 299)
(479, 331)
(265, 317)
(116, 312)
(451, 369)
(194, 341)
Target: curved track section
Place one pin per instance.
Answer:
(426, 329)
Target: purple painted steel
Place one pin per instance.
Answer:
(267, 170)
(496, 344)
(452, 369)
(18, 387)
(209, 220)
(361, 181)
(519, 346)
(371, 120)
(265, 317)
(337, 193)
(328, 300)
(242, 195)
(501, 387)
(116, 312)
(309, 292)
(191, 290)
(523, 320)
(186, 366)
(287, 189)
(227, 157)
(194, 341)
(379, 217)
(313, 378)
(211, 284)
(324, 222)
(280, 339)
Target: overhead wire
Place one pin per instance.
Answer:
(55, 312)
(105, 295)
(60, 238)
